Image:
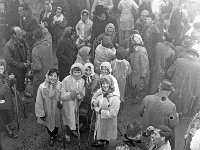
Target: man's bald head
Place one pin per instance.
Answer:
(16, 32)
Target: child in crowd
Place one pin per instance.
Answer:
(73, 92)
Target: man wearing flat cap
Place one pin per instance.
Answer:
(185, 74)
(159, 110)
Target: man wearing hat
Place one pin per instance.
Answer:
(159, 110)
(141, 22)
(100, 20)
(185, 74)
(163, 60)
(180, 51)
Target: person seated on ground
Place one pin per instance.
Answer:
(104, 52)
(121, 69)
(73, 92)
(195, 144)
(46, 104)
(6, 102)
(107, 106)
(83, 56)
(160, 138)
(84, 29)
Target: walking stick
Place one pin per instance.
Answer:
(63, 133)
(192, 103)
(90, 131)
(16, 103)
(23, 106)
(78, 128)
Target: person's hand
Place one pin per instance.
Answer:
(186, 136)
(23, 32)
(59, 105)
(43, 118)
(141, 84)
(79, 97)
(11, 76)
(73, 94)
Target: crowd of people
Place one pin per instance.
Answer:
(149, 56)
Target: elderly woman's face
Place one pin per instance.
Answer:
(104, 70)
(105, 86)
(53, 77)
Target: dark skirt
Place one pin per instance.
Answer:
(5, 116)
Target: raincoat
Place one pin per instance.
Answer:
(106, 123)
(163, 60)
(120, 70)
(116, 87)
(46, 104)
(84, 30)
(70, 106)
(185, 73)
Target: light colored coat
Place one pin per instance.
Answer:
(46, 106)
(120, 70)
(106, 123)
(70, 106)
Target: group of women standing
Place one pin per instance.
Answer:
(60, 101)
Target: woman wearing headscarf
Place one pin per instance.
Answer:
(138, 59)
(105, 52)
(106, 69)
(107, 107)
(109, 31)
(73, 92)
(121, 69)
(46, 109)
(83, 55)
(84, 29)
(65, 53)
(92, 81)
(126, 19)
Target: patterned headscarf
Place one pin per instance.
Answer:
(110, 28)
(137, 39)
(84, 52)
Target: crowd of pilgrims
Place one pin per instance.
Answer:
(149, 59)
